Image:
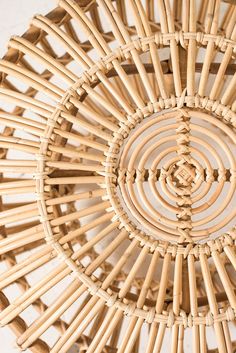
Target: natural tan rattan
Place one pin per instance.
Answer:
(118, 176)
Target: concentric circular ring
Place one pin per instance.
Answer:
(129, 177)
(167, 164)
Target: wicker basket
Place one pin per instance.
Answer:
(118, 177)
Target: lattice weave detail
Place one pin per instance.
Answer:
(118, 174)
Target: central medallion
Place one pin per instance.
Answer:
(160, 180)
(184, 174)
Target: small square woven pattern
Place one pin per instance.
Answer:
(118, 176)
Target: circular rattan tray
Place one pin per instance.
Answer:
(118, 177)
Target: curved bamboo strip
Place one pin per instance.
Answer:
(120, 156)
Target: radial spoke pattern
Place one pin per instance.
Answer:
(118, 177)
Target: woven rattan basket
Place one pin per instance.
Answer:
(118, 175)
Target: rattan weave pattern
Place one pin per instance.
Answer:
(118, 176)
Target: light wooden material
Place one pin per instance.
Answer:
(118, 177)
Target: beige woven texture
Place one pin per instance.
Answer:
(118, 175)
